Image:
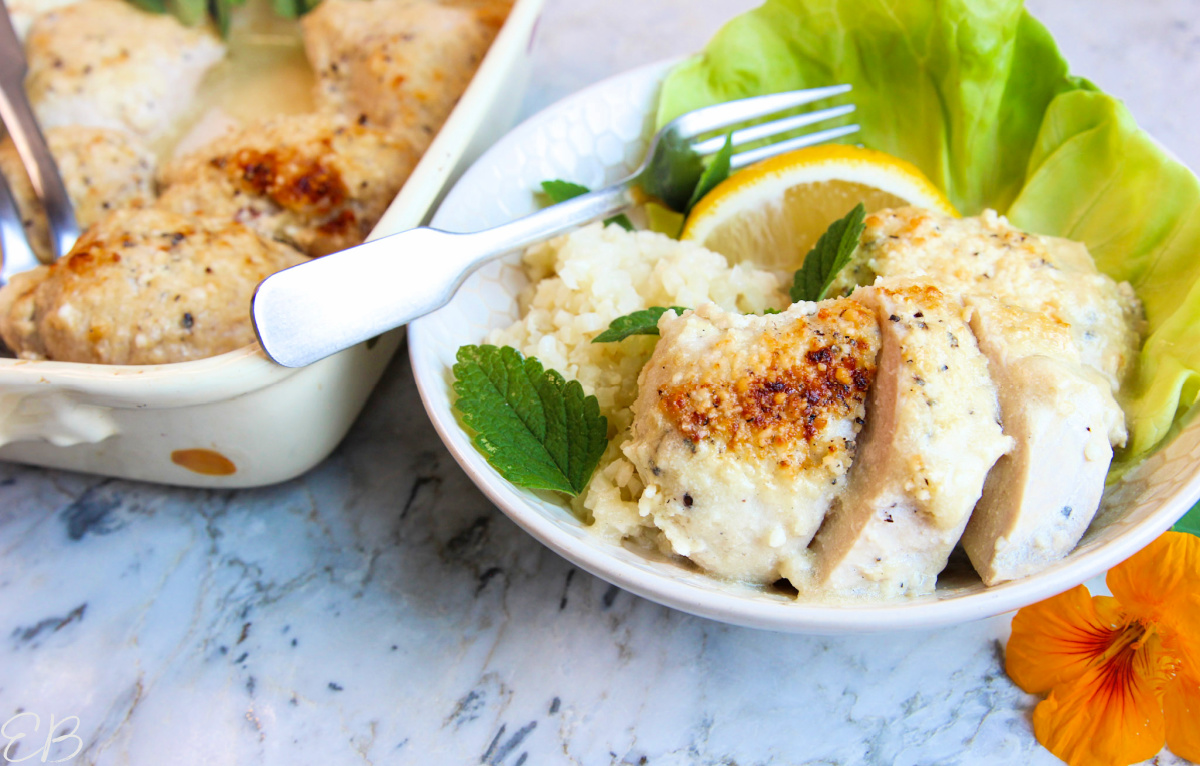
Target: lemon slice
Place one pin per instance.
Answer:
(772, 213)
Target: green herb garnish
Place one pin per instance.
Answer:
(644, 322)
(830, 255)
(538, 430)
(193, 12)
(716, 172)
(293, 9)
(561, 191)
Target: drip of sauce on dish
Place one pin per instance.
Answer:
(204, 461)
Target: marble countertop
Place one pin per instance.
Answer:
(381, 610)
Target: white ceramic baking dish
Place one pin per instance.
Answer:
(240, 420)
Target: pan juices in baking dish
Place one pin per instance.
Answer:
(295, 134)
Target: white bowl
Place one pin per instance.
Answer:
(256, 422)
(597, 136)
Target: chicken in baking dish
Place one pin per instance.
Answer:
(116, 87)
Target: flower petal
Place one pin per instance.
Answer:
(1181, 703)
(1161, 580)
(1057, 639)
(1109, 716)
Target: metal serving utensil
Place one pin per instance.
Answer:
(310, 311)
(31, 145)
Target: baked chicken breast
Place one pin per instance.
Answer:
(142, 287)
(744, 428)
(986, 256)
(1039, 498)
(106, 64)
(318, 181)
(396, 64)
(932, 434)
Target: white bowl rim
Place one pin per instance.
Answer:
(799, 616)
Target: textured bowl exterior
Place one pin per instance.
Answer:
(270, 422)
(596, 136)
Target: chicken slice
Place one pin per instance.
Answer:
(932, 434)
(317, 182)
(106, 64)
(142, 287)
(396, 64)
(103, 170)
(745, 425)
(986, 256)
(1039, 498)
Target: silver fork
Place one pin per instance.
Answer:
(310, 311)
(35, 155)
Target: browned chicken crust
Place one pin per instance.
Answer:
(793, 383)
(143, 287)
(317, 182)
(103, 170)
(398, 64)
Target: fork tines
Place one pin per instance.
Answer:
(726, 115)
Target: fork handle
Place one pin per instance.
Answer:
(310, 311)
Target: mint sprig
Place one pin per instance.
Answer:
(829, 256)
(538, 430)
(716, 172)
(561, 191)
(644, 322)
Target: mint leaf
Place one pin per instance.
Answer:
(561, 191)
(829, 256)
(538, 430)
(1190, 522)
(716, 172)
(644, 322)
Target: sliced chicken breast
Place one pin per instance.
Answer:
(1039, 498)
(103, 170)
(106, 64)
(932, 434)
(142, 287)
(744, 428)
(396, 64)
(317, 182)
(986, 256)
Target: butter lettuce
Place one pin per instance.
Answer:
(977, 95)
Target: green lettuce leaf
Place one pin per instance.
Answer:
(957, 87)
(1094, 176)
(977, 95)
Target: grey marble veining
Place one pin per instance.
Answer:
(381, 610)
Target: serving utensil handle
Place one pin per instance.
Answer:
(318, 308)
(30, 142)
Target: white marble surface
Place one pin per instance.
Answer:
(380, 610)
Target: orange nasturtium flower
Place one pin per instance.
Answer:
(1122, 672)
